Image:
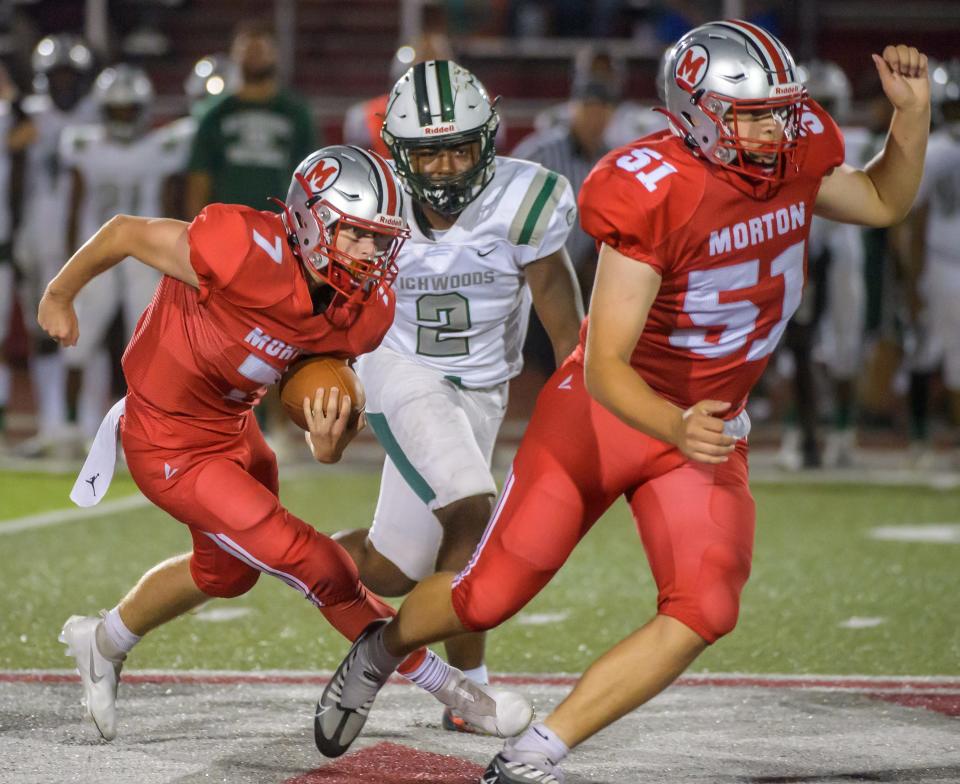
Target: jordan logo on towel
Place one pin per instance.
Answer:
(91, 481)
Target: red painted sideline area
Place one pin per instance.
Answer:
(937, 694)
(840, 683)
(391, 763)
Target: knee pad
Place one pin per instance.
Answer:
(227, 583)
(483, 600)
(475, 612)
(712, 607)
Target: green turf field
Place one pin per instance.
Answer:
(815, 568)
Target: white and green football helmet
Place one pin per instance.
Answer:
(441, 104)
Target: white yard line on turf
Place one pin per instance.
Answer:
(71, 515)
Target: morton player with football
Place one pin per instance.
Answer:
(244, 293)
(702, 231)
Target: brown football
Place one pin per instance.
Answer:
(306, 376)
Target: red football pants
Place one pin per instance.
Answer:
(696, 520)
(226, 493)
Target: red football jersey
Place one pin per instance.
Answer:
(204, 357)
(732, 266)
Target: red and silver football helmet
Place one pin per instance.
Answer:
(724, 69)
(343, 187)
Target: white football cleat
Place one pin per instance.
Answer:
(485, 709)
(98, 674)
(347, 699)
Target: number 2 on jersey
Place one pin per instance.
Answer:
(451, 312)
(738, 318)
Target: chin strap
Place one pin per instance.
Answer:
(677, 127)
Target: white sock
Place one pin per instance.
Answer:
(478, 675)
(431, 674)
(117, 640)
(539, 743)
(49, 379)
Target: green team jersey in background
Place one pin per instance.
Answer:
(249, 148)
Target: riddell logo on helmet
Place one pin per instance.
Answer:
(390, 220)
(780, 90)
(692, 67)
(431, 131)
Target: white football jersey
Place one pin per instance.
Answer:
(940, 190)
(120, 177)
(462, 301)
(46, 181)
(6, 219)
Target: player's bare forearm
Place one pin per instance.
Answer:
(896, 172)
(98, 254)
(160, 243)
(556, 297)
(882, 193)
(616, 386)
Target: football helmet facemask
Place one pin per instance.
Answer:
(342, 188)
(439, 104)
(62, 67)
(717, 75)
(124, 94)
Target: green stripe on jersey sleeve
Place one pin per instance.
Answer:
(537, 207)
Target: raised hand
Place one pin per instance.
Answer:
(903, 75)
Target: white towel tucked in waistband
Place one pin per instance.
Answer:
(738, 427)
(97, 471)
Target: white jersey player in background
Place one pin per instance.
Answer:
(829, 325)
(16, 133)
(488, 236)
(62, 66)
(118, 166)
(935, 254)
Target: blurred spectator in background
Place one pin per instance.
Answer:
(245, 147)
(575, 140)
(565, 18)
(363, 120)
(212, 77)
(63, 68)
(883, 352)
(248, 141)
(829, 324)
(118, 166)
(571, 147)
(16, 132)
(933, 266)
(673, 18)
(139, 24)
